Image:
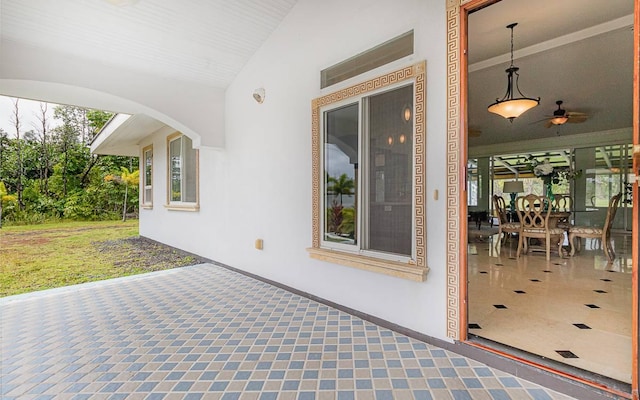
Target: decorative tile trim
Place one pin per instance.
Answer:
(414, 72)
(454, 153)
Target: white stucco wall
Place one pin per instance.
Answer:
(255, 159)
(259, 185)
(46, 75)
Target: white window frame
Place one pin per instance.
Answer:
(146, 202)
(364, 179)
(413, 267)
(182, 205)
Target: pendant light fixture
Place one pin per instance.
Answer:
(511, 107)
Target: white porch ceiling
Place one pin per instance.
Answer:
(201, 41)
(578, 51)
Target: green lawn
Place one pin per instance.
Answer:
(38, 257)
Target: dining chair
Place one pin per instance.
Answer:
(505, 227)
(563, 203)
(603, 233)
(533, 212)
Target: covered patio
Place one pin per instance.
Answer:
(208, 332)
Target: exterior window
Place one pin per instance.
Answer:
(473, 187)
(183, 171)
(378, 56)
(377, 214)
(147, 181)
(369, 179)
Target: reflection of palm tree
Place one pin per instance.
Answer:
(341, 185)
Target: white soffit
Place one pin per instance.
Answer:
(121, 135)
(201, 41)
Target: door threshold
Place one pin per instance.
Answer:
(581, 376)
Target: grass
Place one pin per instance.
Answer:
(47, 256)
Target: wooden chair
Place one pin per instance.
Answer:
(505, 226)
(533, 212)
(563, 203)
(603, 233)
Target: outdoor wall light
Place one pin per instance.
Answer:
(259, 95)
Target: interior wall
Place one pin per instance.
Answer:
(259, 185)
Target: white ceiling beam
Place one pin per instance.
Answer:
(507, 165)
(590, 139)
(605, 156)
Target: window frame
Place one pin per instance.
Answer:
(182, 205)
(414, 267)
(144, 201)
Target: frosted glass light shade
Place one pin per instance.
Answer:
(511, 109)
(559, 120)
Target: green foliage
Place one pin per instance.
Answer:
(347, 226)
(57, 177)
(343, 185)
(334, 217)
(97, 119)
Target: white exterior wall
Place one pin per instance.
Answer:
(259, 184)
(46, 75)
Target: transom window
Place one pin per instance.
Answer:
(369, 175)
(183, 171)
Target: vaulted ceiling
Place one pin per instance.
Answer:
(578, 51)
(204, 42)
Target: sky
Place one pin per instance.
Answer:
(28, 111)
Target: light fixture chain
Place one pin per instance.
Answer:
(512, 26)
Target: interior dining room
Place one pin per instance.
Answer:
(550, 121)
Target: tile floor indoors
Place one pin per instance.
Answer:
(575, 310)
(207, 332)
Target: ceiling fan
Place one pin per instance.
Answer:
(562, 116)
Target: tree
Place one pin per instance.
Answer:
(4, 143)
(65, 143)
(53, 174)
(15, 119)
(341, 185)
(3, 192)
(97, 119)
(45, 148)
(129, 179)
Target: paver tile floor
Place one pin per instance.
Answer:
(205, 332)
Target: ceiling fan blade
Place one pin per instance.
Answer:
(548, 124)
(540, 120)
(577, 118)
(474, 132)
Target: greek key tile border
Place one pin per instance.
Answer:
(454, 153)
(416, 73)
